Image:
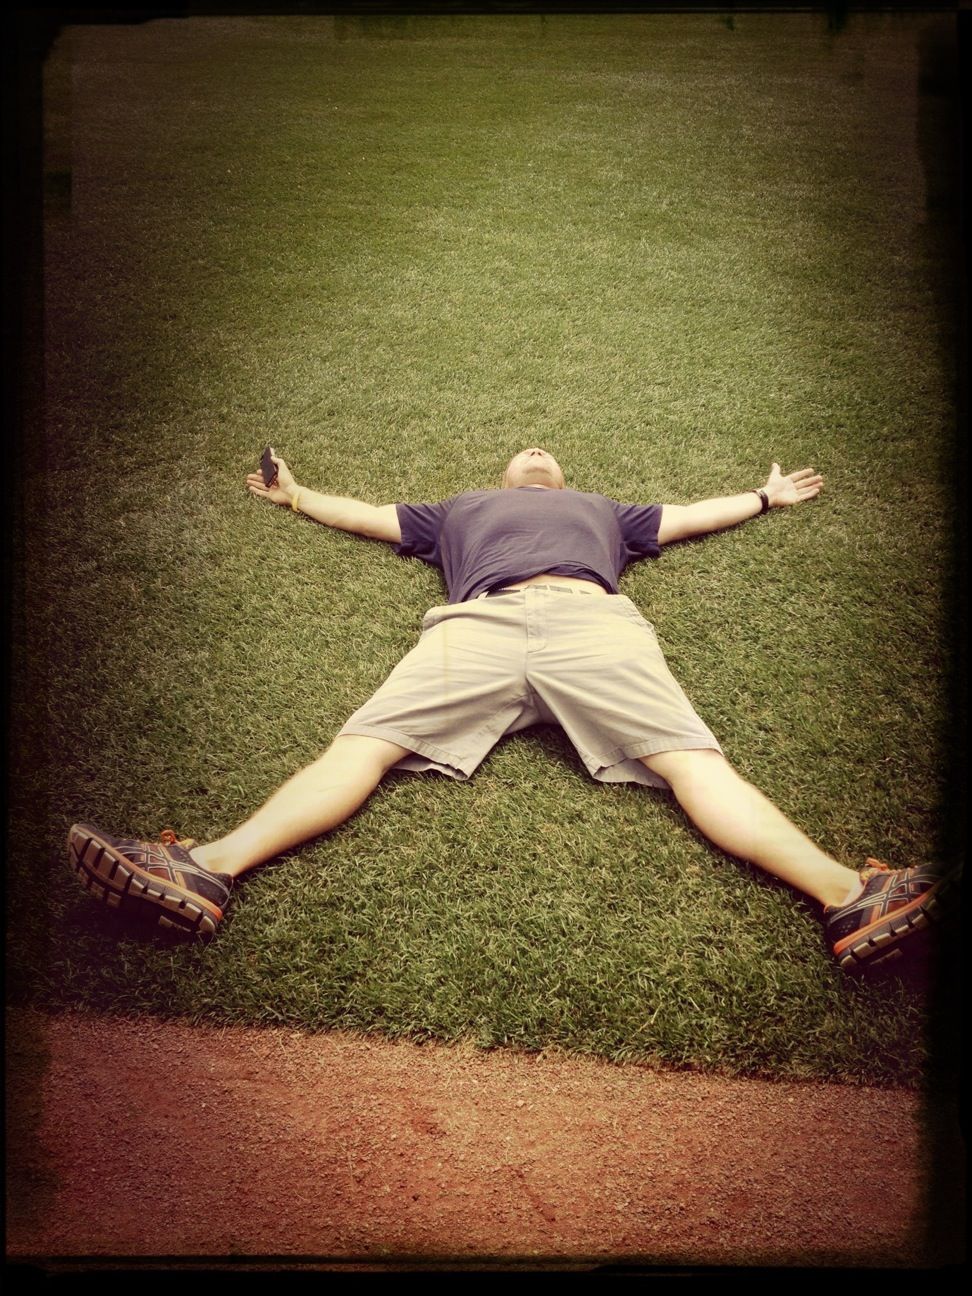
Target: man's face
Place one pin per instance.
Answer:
(533, 467)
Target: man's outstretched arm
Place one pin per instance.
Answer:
(378, 522)
(679, 521)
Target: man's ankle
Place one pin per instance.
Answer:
(855, 891)
(212, 859)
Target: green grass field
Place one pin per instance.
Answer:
(670, 249)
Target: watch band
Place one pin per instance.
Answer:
(763, 499)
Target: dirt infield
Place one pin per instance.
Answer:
(130, 1139)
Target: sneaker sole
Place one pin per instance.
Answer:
(109, 876)
(873, 944)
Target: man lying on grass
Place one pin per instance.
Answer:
(535, 631)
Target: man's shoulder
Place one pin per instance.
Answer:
(593, 500)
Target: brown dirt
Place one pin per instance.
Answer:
(132, 1138)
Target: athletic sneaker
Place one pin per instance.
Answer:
(158, 881)
(894, 904)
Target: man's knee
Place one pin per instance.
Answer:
(697, 764)
(366, 750)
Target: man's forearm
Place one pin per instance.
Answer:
(726, 511)
(332, 510)
(378, 522)
(680, 521)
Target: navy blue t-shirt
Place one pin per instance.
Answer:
(482, 539)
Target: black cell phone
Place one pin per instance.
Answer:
(269, 468)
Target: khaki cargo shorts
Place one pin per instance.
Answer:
(543, 654)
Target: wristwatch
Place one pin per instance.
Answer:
(763, 497)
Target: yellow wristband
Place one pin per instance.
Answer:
(295, 502)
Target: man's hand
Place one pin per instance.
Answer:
(679, 521)
(794, 488)
(282, 491)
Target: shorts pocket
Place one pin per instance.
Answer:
(434, 616)
(632, 614)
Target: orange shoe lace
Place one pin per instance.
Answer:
(872, 866)
(168, 837)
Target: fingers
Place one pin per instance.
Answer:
(804, 484)
(807, 482)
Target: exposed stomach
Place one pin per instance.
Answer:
(549, 578)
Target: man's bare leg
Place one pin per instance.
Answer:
(741, 820)
(315, 800)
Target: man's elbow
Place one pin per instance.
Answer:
(677, 523)
(381, 523)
